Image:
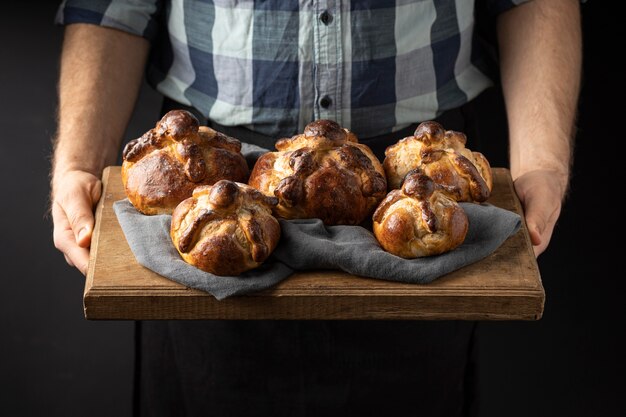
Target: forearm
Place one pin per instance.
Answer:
(101, 71)
(100, 75)
(540, 52)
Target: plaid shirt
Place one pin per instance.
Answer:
(373, 66)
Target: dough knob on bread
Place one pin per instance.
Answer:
(442, 155)
(226, 228)
(162, 167)
(322, 173)
(419, 219)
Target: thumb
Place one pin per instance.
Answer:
(536, 226)
(79, 212)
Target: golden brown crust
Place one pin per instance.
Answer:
(419, 219)
(322, 173)
(162, 168)
(442, 155)
(226, 228)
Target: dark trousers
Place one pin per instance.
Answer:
(309, 368)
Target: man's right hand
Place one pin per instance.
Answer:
(74, 197)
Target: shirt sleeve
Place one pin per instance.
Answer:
(138, 17)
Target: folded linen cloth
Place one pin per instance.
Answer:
(308, 244)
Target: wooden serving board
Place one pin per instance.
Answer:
(504, 286)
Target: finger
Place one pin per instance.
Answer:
(68, 260)
(540, 221)
(79, 258)
(535, 226)
(64, 240)
(74, 254)
(78, 208)
(545, 240)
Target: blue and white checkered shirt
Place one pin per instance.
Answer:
(373, 66)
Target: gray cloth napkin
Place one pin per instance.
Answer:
(149, 240)
(308, 244)
(251, 152)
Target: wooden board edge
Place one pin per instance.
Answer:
(364, 293)
(524, 228)
(528, 307)
(95, 238)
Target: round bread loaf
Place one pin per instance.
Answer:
(419, 219)
(226, 228)
(322, 173)
(163, 167)
(442, 155)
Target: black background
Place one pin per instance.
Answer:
(53, 362)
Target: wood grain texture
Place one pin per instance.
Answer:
(504, 286)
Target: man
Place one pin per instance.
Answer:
(261, 71)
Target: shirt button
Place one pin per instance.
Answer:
(326, 17)
(325, 102)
